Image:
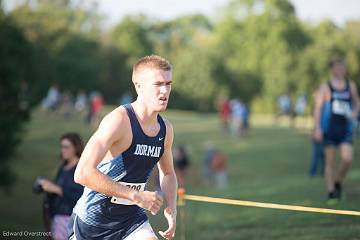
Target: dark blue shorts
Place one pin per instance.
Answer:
(79, 230)
(336, 139)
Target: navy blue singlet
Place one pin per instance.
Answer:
(335, 123)
(98, 216)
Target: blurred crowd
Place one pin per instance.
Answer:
(234, 116)
(88, 106)
(214, 165)
(287, 108)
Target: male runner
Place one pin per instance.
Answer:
(337, 105)
(119, 158)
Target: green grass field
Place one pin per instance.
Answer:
(271, 165)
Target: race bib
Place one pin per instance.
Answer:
(134, 186)
(341, 107)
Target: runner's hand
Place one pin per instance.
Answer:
(150, 201)
(318, 135)
(170, 216)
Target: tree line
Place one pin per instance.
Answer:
(255, 50)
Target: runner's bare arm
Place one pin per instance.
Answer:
(168, 182)
(355, 99)
(95, 150)
(111, 130)
(319, 102)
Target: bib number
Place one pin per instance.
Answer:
(341, 107)
(134, 186)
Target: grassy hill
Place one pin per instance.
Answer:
(270, 165)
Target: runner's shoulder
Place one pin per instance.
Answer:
(324, 87)
(169, 132)
(168, 124)
(352, 84)
(116, 119)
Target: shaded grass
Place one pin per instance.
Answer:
(270, 165)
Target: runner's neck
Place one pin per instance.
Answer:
(338, 83)
(145, 116)
(338, 79)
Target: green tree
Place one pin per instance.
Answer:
(130, 36)
(184, 41)
(78, 63)
(263, 38)
(16, 79)
(169, 38)
(65, 35)
(115, 75)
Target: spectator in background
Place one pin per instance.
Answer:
(245, 119)
(317, 158)
(224, 113)
(218, 166)
(52, 100)
(96, 105)
(284, 104)
(181, 159)
(63, 192)
(238, 115)
(214, 167)
(285, 107)
(81, 102)
(206, 163)
(67, 104)
(300, 105)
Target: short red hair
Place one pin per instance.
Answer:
(151, 62)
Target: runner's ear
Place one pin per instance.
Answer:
(137, 85)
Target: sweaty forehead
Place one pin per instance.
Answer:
(339, 63)
(155, 75)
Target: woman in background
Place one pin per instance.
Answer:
(63, 192)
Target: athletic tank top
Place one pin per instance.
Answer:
(337, 110)
(131, 168)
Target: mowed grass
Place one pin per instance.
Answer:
(270, 165)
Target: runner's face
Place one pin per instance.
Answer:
(339, 69)
(156, 89)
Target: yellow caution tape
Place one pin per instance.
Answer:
(269, 205)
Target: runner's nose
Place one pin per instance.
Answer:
(163, 89)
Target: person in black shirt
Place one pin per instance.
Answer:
(63, 192)
(181, 159)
